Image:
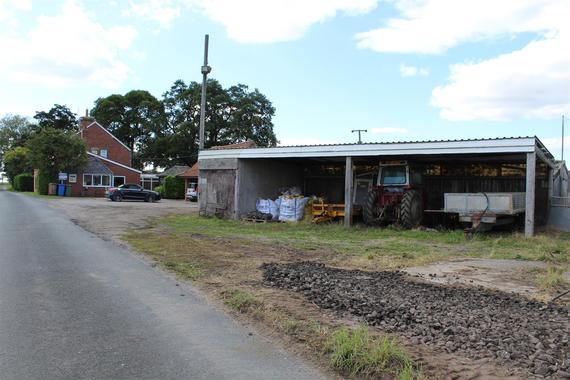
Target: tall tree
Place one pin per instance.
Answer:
(53, 151)
(232, 115)
(58, 117)
(16, 161)
(134, 118)
(14, 131)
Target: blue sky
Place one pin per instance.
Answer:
(403, 70)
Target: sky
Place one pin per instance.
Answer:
(404, 70)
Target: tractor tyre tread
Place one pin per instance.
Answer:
(410, 200)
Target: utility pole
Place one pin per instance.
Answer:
(205, 71)
(562, 138)
(359, 131)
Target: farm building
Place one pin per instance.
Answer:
(231, 180)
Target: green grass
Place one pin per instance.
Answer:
(240, 300)
(551, 279)
(357, 354)
(392, 247)
(184, 269)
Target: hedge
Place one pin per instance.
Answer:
(24, 182)
(173, 187)
(160, 190)
(43, 182)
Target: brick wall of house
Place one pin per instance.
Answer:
(79, 190)
(98, 138)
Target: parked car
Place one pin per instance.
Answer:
(192, 194)
(132, 191)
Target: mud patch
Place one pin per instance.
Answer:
(480, 323)
(505, 275)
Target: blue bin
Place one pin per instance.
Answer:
(60, 190)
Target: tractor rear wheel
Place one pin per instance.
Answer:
(371, 210)
(411, 209)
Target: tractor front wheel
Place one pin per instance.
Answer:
(371, 209)
(411, 209)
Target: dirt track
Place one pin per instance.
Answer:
(507, 328)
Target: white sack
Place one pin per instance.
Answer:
(292, 209)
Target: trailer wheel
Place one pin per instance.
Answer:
(370, 211)
(411, 209)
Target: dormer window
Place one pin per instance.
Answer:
(103, 153)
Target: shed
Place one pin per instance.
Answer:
(230, 180)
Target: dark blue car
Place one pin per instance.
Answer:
(132, 191)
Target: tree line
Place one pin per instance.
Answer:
(160, 132)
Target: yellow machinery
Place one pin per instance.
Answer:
(326, 212)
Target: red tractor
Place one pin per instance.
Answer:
(397, 196)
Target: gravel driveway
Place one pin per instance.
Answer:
(109, 220)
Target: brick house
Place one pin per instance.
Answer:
(108, 162)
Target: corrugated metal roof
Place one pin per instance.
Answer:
(241, 145)
(394, 148)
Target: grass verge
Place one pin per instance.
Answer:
(551, 279)
(357, 354)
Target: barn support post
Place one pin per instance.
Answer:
(348, 188)
(530, 194)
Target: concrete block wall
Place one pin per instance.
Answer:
(263, 178)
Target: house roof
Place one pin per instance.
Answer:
(192, 172)
(437, 147)
(175, 170)
(96, 166)
(113, 162)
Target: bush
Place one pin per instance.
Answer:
(173, 188)
(24, 182)
(43, 181)
(160, 190)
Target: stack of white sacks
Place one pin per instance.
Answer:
(289, 207)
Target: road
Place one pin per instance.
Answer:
(73, 306)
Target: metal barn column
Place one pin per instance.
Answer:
(348, 177)
(530, 194)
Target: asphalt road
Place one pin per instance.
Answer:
(73, 306)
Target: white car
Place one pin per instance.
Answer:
(192, 194)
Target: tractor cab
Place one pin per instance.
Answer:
(396, 197)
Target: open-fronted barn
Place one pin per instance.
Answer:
(231, 180)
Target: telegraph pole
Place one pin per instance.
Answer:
(562, 159)
(205, 71)
(359, 131)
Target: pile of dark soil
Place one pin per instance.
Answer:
(478, 322)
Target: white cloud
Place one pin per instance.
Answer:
(162, 11)
(253, 21)
(531, 82)
(263, 21)
(66, 49)
(9, 10)
(412, 71)
(433, 26)
(388, 130)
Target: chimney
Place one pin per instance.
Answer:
(85, 121)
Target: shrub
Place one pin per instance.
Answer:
(24, 182)
(173, 187)
(160, 190)
(43, 181)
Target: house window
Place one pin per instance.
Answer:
(103, 153)
(96, 180)
(94, 150)
(118, 180)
